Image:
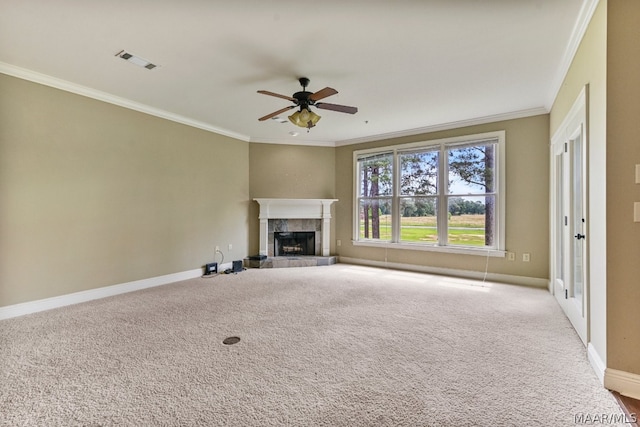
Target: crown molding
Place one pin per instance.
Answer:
(307, 142)
(579, 29)
(447, 126)
(416, 131)
(67, 86)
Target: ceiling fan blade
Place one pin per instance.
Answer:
(277, 95)
(322, 93)
(268, 116)
(336, 107)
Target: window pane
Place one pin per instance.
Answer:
(472, 169)
(471, 221)
(374, 219)
(445, 192)
(418, 220)
(419, 173)
(375, 175)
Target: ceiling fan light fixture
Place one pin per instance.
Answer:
(304, 118)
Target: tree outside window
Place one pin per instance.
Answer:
(419, 175)
(445, 194)
(472, 167)
(375, 191)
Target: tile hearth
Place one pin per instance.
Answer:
(290, 261)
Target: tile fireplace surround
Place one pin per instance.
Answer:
(295, 215)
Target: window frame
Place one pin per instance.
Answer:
(442, 197)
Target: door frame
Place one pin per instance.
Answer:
(575, 120)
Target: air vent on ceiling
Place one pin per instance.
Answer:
(136, 60)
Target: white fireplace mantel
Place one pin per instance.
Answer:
(295, 209)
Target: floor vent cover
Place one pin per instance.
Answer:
(231, 340)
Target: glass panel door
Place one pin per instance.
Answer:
(569, 217)
(578, 221)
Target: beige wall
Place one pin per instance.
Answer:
(92, 194)
(289, 172)
(623, 153)
(608, 60)
(589, 67)
(527, 204)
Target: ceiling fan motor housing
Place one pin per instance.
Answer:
(302, 99)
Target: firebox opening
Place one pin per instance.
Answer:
(294, 243)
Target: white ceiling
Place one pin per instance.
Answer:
(408, 66)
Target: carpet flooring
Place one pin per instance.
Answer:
(338, 345)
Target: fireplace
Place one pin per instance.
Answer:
(288, 243)
(309, 216)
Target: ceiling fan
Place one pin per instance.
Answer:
(304, 117)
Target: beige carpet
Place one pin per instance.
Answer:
(320, 346)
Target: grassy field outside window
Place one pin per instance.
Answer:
(466, 230)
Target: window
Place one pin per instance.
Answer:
(376, 190)
(438, 195)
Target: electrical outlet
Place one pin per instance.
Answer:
(230, 246)
(511, 256)
(217, 248)
(339, 242)
(526, 257)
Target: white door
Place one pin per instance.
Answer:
(569, 222)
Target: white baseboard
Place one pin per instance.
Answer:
(103, 292)
(596, 362)
(467, 274)
(625, 383)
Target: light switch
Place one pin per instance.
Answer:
(636, 211)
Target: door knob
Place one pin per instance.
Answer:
(580, 236)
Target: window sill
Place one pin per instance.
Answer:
(432, 248)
